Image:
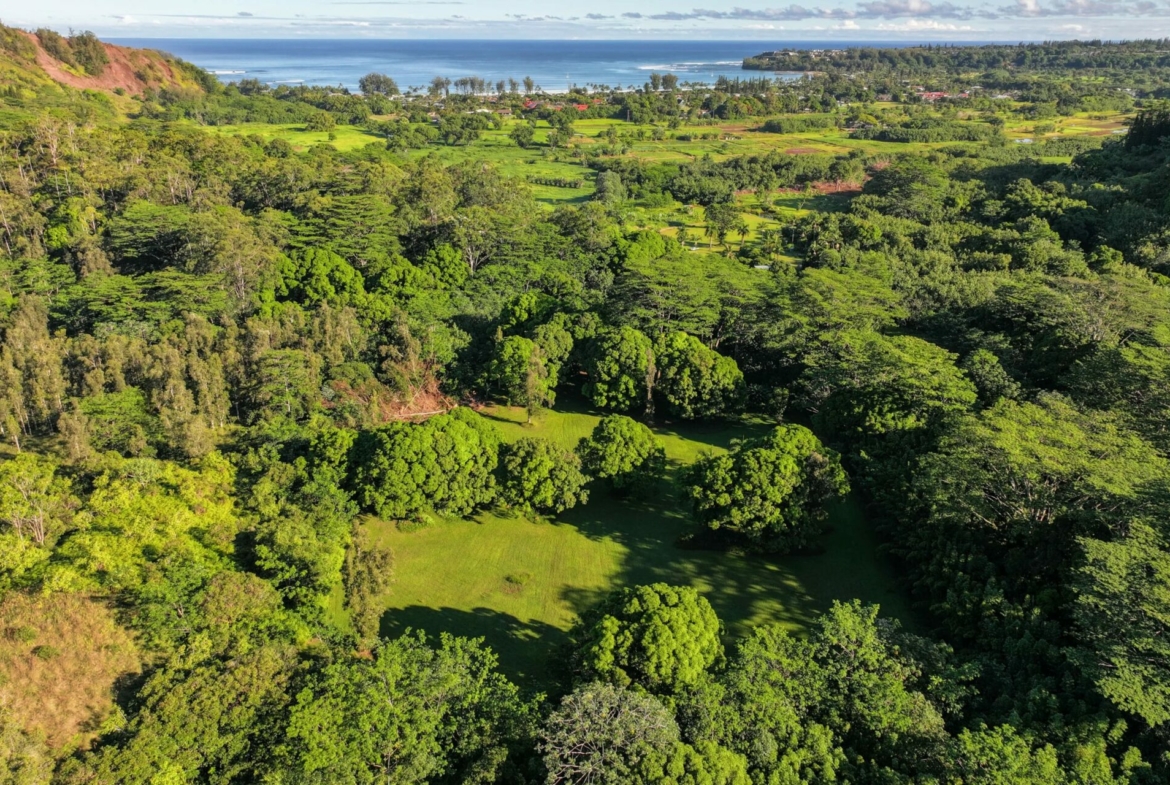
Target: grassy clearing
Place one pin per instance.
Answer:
(346, 137)
(520, 583)
(61, 656)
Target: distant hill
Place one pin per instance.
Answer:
(30, 61)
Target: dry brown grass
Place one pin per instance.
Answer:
(60, 656)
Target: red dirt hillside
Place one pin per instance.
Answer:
(133, 70)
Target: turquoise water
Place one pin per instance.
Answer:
(553, 65)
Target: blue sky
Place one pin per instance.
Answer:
(868, 20)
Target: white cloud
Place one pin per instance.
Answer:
(848, 24)
(924, 25)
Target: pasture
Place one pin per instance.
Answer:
(520, 583)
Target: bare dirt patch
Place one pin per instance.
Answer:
(133, 70)
(803, 151)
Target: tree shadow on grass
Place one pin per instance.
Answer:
(744, 588)
(713, 433)
(527, 649)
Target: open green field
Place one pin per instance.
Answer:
(520, 583)
(734, 139)
(345, 137)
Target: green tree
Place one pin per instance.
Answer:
(414, 713)
(1132, 380)
(522, 134)
(999, 756)
(695, 382)
(772, 490)
(1123, 615)
(285, 384)
(377, 84)
(682, 764)
(89, 52)
(721, 220)
(25, 759)
(541, 477)
(321, 121)
(991, 380)
(446, 463)
(36, 503)
(610, 189)
(317, 275)
(600, 734)
(198, 717)
(369, 571)
(625, 453)
(659, 637)
(863, 384)
(845, 704)
(1004, 500)
(619, 367)
(519, 373)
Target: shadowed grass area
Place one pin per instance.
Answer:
(520, 583)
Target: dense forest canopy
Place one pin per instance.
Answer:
(231, 362)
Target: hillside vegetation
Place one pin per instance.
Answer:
(43, 69)
(756, 433)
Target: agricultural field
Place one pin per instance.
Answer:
(520, 583)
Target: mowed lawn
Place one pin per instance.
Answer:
(520, 583)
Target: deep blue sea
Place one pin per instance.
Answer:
(554, 65)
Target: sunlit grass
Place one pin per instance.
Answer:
(520, 583)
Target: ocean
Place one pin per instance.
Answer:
(553, 65)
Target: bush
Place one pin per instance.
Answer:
(368, 572)
(932, 130)
(23, 634)
(800, 124)
(46, 652)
